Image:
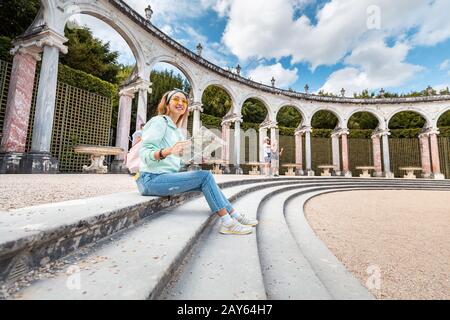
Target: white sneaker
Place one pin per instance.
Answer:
(235, 228)
(246, 221)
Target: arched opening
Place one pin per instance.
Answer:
(405, 148)
(362, 150)
(254, 112)
(217, 102)
(444, 143)
(323, 123)
(289, 119)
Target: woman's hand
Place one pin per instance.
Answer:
(178, 148)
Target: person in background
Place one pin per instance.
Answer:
(267, 155)
(275, 163)
(162, 147)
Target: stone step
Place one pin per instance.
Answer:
(137, 263)
(222, 266)
(34, 236)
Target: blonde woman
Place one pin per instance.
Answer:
(162, 147)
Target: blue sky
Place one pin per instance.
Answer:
(402, 46)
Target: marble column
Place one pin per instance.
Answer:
(196, 108)
(143, 88)
(40, 160)
(376, 149)
(237, 146)
(386, 157)
(123, 130)
(425, 155)
(273, 136)
(434, 148)
(345, 160)
(262, 136)
(299, 152)
(226, 147)
(18, 106)
(336, 152)
(308, 157)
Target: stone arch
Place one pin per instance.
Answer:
(223, 86)
(296, 106)
(341, 121)
(379, 117)
(438, 117)
(428, 121)
(183, 68)
(262, 99)
(57, 20)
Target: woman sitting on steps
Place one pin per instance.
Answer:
(162, 147)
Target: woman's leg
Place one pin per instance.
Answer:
(168, 184)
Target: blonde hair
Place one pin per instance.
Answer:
(164, 110)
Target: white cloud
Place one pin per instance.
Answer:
(271, 31)
(283, 77)
(445, 65)
(372, 66)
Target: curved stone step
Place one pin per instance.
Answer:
(34, 236)
(341, 284)
(137, 263)
(222, 266)
(289, 274)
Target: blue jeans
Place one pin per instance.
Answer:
(168, 184)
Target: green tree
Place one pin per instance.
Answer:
(254, 111)
(406, 120)
(216, 101)
(362, 120)
(90, 54)
(289, 117)
(324, 120)
(16, 16)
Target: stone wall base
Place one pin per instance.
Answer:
(10, 162)
(39, 163)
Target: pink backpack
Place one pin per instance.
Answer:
(132, 159)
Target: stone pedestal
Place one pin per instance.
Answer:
(118, 166)
(39, 163)
(10, 162)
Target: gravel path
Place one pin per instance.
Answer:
(18, 191)
(402, 236)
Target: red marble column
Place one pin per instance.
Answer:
(435, 154)
(345, 166)
(18, 106)
(299, 150)
(425, 155)
(376, 147)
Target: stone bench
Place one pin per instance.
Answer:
(291, 166)
(365, 171)
(326, 169)
(410, 172)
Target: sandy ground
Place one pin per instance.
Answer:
(396, 242)
(18, 191)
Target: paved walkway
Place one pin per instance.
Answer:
(402, 234)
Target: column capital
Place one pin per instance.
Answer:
(337, 132)
(268, 124)
(426, 132)
(303, 129)
(378, 133)
(196, 106)
(36, 43)
(129, 89)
